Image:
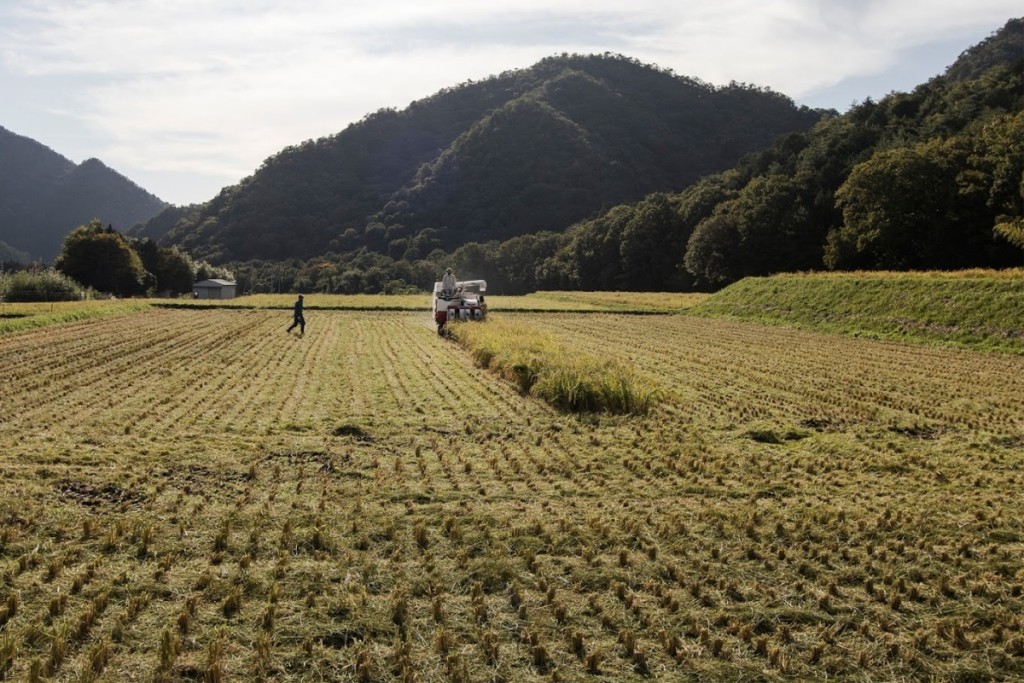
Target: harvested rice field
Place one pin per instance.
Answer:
(193, 494)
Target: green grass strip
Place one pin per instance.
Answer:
(15, 317)
(978, 309)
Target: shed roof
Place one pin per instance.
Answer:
(214, 283)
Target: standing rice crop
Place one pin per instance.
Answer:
(540, 365)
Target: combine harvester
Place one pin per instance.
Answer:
(465, 302)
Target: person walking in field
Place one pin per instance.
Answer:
(298, 318)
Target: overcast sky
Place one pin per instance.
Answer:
(187, 96)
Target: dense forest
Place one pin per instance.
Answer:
(44, 196)
(536, 149)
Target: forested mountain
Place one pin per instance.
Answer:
(9, 254)
(529, 150)
(933, 178)
(43, 196)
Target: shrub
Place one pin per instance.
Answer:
(46, 285)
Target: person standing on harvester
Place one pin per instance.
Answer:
(448, 283)
(298, 320)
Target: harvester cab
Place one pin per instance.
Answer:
(466, 302)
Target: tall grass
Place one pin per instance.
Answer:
(538, 364)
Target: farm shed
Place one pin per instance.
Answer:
(213, 289)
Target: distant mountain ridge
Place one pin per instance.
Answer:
(528, 150)
(43, 196)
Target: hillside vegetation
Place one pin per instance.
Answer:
(528, 150)
(978, 308)
(44, 196)
(930, 179)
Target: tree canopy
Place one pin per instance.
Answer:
(101, 258)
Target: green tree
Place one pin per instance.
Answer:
(653, 243)
(931, 205)
(1002, 158)
(710, 252)
(172, 268)
(764, 229)
(517, 260)
(897, 208)
(101, 258)
(175, 271)
(592, 252)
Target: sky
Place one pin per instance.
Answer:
(185, 97)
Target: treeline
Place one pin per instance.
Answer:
(98, 259)
(845, 196)
(927, 179)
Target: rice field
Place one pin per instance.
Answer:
(192, 494)
(622, 302)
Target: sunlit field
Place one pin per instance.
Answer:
(20, 316)
(629, 302)
(193, 494)
(369, 302)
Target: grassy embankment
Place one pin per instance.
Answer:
(982, 309)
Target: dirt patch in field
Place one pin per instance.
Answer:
(773, 436)
(818, 424)
(1008, 441)
(197, 478)
(109, 495)
(326, 462)
(354, 431)
(916, 431)
(339, 640)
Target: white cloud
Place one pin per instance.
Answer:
(214, 87)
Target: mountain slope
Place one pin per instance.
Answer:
(43, 196)
(526, 150)
(916, 180)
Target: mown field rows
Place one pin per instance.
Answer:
(194, 494)
(730, 371)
